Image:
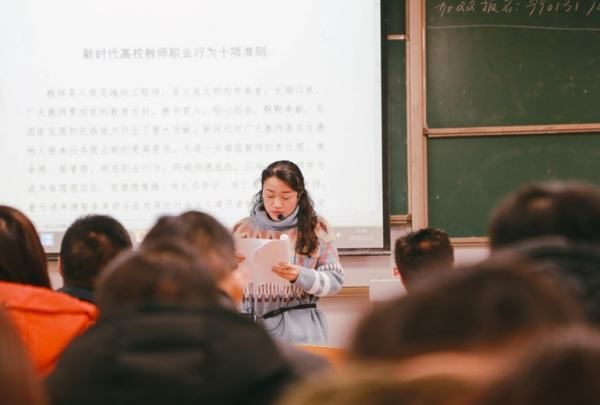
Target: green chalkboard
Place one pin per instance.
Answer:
(512, 62)
(394, 16)
(396, 125)
(468, 176)
(394, 23)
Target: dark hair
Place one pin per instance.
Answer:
(203, 232)
(577, 263)
(563, 368)
(569, 209)
(19, 383)
(22, 257)
(87, 247)
(425, 250)
(376, 385)
(466, 309)
(163, 272)
(288, 172)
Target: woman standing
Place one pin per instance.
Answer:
(283, 207)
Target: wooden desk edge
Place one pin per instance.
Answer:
(354, 291)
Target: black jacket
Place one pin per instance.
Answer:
(166, 355)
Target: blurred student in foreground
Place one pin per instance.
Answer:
(88, 245)
(465, 325)
(212, 242)
(422, 253)
(481, 307)
(562, 368)
(451, 336)
(165, 338)
(47, 321)
(567, 209)
(215, 244)
(557, 226)
(377, 385)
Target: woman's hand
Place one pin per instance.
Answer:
(288, 271)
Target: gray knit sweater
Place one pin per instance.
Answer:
(321, 274)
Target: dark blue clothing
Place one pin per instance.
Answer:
(80, 293)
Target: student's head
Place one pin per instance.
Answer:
(567, 209)
(487, 306)
(282, 190)
(19, 384)
(421, 252)
(88, 245)
(376, 385)
(562, 368)
(577, 263)
(210, 239)
(22, 257)
(165, 272)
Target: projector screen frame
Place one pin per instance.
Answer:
(382, 247)
(385, 156)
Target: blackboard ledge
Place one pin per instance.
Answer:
(475, 241)
(400, 219)
(364, 252)
(397, 37)
(511, 130)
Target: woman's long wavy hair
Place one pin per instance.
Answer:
(288, 172)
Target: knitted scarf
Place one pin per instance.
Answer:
(260, 219)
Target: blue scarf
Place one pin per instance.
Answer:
(260, 219)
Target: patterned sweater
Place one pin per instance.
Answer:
(321, 274)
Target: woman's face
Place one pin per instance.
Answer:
(280, 200)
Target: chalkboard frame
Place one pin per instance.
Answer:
(588, 126)
(395, 17)
(481, 131)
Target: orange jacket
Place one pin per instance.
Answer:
(46, 320)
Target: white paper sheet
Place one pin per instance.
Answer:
(260, 256)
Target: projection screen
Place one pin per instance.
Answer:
(138, 109)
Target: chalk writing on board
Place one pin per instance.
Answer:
(531, 8)
(595, 7)
(472, 6)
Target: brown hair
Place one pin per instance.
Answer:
(89, 244)
(568, 209)
(562, 368)
(165, 272)
(288, 172)
(204, 233)
(421, 252)
(467, 309)
(22, 257)
(377, 385)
